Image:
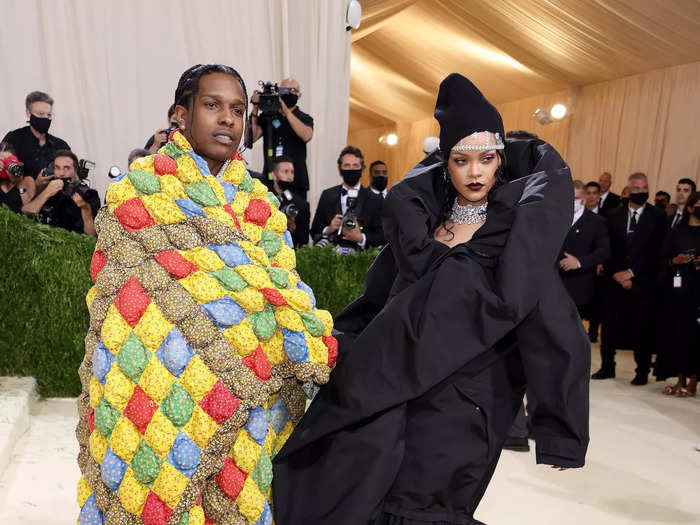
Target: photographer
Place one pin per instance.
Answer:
(66, 201)
(34, 146)
(294, 207)
(160, 137)
(349, 215)
(16, 188)
(284, 127)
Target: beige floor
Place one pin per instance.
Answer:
(642, 467)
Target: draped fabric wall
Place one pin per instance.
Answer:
(112, 67)
(646, 122)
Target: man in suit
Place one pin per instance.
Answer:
(609, 201)
(336, 202)
(592, 197)
(379, 178)
(294, 206)
(684, 189)
(586, 246)
(636, 233)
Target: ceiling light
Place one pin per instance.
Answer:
(381, 139)
(392, 139)
(558, 111)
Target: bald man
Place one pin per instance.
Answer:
(291, 129)
(609, 201)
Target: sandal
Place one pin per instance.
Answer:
(670, 390)
(686, 392)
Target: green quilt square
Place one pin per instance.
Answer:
(178, 405)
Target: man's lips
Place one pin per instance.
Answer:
(475, 186)
(224, 137)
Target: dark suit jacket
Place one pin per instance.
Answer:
(641, 252)
(368, 210)
(588, 240)
(612, 202)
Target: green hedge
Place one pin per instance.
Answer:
(43, 316)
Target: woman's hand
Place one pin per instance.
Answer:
(682, 258)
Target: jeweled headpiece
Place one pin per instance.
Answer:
(480, 141)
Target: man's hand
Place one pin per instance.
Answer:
(353, 235)
(627, 285)
(335, 224)
(159, 137)
(569, 262)
(43, 180)
(622, 276)
(55, 186)
(79, 201)
(291, 224)
(255, 100)
(682, 258)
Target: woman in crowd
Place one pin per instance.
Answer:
(681, 337)
(461, 310)
(16, 190)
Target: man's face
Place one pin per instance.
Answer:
(661, 201)
(638, 185)
(64, 168)
(379, 170)
(214, 120)
(291, 84)
(683, 191)
(579, 193)
(41, 110)
(284, 172)
(592, 196)
(605, 180)
(350, 162)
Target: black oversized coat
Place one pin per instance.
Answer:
(429, 312)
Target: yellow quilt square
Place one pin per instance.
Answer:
(327, 320)
(242, 338)
(160, 434)
(84, 491)
(169, 485)
(250, 501)
(131, 493)
(142, 163)
(285, 258)
(125, 439)
(187, 171)
(246, 451)
(216, 188)
(97, 445)
(91, 295)
(118, 388)
(221, 215)
(156, 380)
(119, 192)
(152, 328)
(163, 209)
(259, 190)
(277, 222)
(172, 187)
(197, 378)
(95, 392)
(297, 299)
(235, 172)
(274, 349)
(252, 231)
(270, 441)
(250, 299)
(202, 287)
(204, 258)
(288, 318)
(240, 203)
(255, 276)
(255, 253)
(283, 436)
(196, 516)
(318, 352)
(201, 427)
(114, 330)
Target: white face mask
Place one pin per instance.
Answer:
(578, 204)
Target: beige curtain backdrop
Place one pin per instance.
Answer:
(112, 67)
(648, 122)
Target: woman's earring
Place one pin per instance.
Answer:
(445, 173)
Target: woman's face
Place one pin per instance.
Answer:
(213, 123)
(473, 172)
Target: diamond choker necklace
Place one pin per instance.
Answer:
(468, 214)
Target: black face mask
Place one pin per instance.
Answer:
(290, 99)
(285, 185)
(351, 177)
(639, 198)
(40, 124)
(380, 182)
(696, 211)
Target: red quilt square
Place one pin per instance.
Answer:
(274, 296)
(155, 511)
(91, 419)
(332, 345)
(133, 215)
(257, 212)
(162, 164)
(140, 409)
(98, 262)
(132, 301)
(230, 211)
(231, 479)
(258, 363)
(220, 403)
(175, 263)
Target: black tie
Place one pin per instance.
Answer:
(343, 191)
(676, 219)
(633, 222)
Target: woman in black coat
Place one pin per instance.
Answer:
(459, 315)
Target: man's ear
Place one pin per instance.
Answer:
(28, 113)
(180, 115)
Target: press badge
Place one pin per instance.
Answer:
(677, 281)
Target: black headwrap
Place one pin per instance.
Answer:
(461, 110)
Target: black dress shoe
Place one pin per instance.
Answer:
(639, 380)
(517, 444)
(604, 374)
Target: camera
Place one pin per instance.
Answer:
(84, 167)
(269, 103)
(80, 186)
(287, 205)
(12, 167)
(349, 220)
